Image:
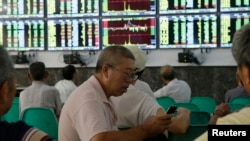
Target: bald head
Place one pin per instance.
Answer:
(167, 72)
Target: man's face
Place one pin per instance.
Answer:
(121, 76)
(244, 74)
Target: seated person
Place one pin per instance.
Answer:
(67, 85)
(140, 62)
(40, 94)
(239, 91)
(88, 113)
(15, 131)
(179, 90)
(135, 106)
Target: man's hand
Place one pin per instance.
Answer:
(157, 124)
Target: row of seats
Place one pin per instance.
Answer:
(201, 108)
(203, 103)
(198, 103)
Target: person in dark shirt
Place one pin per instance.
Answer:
(238, 91)
(15, 131)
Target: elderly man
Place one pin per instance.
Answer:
(16, 131)
(88, 114)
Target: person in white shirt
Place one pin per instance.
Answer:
(40, 94)
(179, 90)
(140, 57)
(67, 85)
(144, 86)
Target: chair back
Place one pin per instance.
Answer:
(43, 119)
(199, 118)
(13, 114)
(235, 107)
(165, 102)
(190, 106)
(204, 103)
(192, 133)
(241, 100)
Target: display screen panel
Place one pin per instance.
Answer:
(22, 35)
(21, 8)
(230, 23)
(187, 6)
(234, 5)
(133, 31)
(188, 31)
(72, 8)
(128, 7)
(73, 34)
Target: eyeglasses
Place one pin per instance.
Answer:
(128, 75)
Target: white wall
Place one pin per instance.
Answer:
(215, 57)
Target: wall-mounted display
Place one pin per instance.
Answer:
(133, 31)
(58, 25)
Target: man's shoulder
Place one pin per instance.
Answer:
(24, 91)
(51, 89)
(22, 131)
(235, 91)
(59, 83)
(183, 82)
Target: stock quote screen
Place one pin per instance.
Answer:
(234, 5)
(94, 24)
(230, 23)
(188, 31)
(128, 7)
(73, 34)
(72, 8)
(139, 31)
(21, 35)
(21, 8)
(187, 6)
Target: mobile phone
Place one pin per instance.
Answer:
(171, 109)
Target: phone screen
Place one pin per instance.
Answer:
(171, 109)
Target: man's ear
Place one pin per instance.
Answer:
(104, 70)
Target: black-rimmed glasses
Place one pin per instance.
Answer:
(128, 75)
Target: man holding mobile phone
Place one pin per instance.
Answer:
(135, 106)
(88, 114)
